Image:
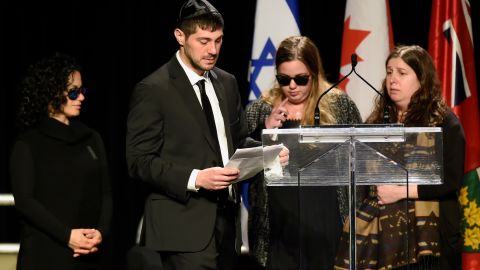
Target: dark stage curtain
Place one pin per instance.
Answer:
(120, 42)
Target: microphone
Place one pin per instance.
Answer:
(353, 59)
(385, 107)
(316, 117)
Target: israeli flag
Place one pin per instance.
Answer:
(275, 20)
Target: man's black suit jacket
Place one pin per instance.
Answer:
(168, 137)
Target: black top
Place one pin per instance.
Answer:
(446, 194)
(60, 182)
(275, 238)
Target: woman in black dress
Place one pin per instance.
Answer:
(59, 172)
(273, 213)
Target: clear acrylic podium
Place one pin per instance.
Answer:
(351, 156)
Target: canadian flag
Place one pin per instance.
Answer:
(366, 32)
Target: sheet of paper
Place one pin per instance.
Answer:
(250, 160)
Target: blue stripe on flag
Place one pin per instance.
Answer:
(244, 190)
(294, 8)
(267, 58)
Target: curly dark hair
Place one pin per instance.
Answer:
(44, 86)
(426, 107)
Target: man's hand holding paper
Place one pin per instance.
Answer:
(250, 161)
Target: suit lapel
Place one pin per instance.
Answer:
(181, 84)
(220, 92)
(222, 100)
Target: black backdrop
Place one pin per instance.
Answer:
(120, 42)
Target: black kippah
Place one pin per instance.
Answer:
(195, 8)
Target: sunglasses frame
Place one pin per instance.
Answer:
(73, 93)
(300, 80)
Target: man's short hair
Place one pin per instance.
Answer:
(199, 13)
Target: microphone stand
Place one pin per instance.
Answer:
(316, 116)
(352, 186)
(385, 107)
(354, 62)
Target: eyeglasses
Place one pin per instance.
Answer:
(285, 80)
(75, 92)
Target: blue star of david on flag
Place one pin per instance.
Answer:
(275, 20)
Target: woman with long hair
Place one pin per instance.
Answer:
(273, 225)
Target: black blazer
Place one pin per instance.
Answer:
(168, 137)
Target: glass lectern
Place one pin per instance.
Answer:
(354, 158)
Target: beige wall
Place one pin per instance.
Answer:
(8, 261)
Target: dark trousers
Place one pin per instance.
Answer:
(220, 252)
(305, 228)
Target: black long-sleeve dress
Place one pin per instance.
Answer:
(60, 182)
(273, 218)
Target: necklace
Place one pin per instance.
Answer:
(401, 116)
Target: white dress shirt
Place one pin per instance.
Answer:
(217, 114)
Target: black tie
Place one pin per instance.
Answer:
(207, 109)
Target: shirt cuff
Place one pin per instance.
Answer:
(191, 181)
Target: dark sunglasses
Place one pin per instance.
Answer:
(75, 92)
(301, 80)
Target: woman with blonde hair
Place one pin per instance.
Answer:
(273, 220)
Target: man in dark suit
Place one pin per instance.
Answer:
(173, 146)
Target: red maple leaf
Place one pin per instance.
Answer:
(351, 40)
